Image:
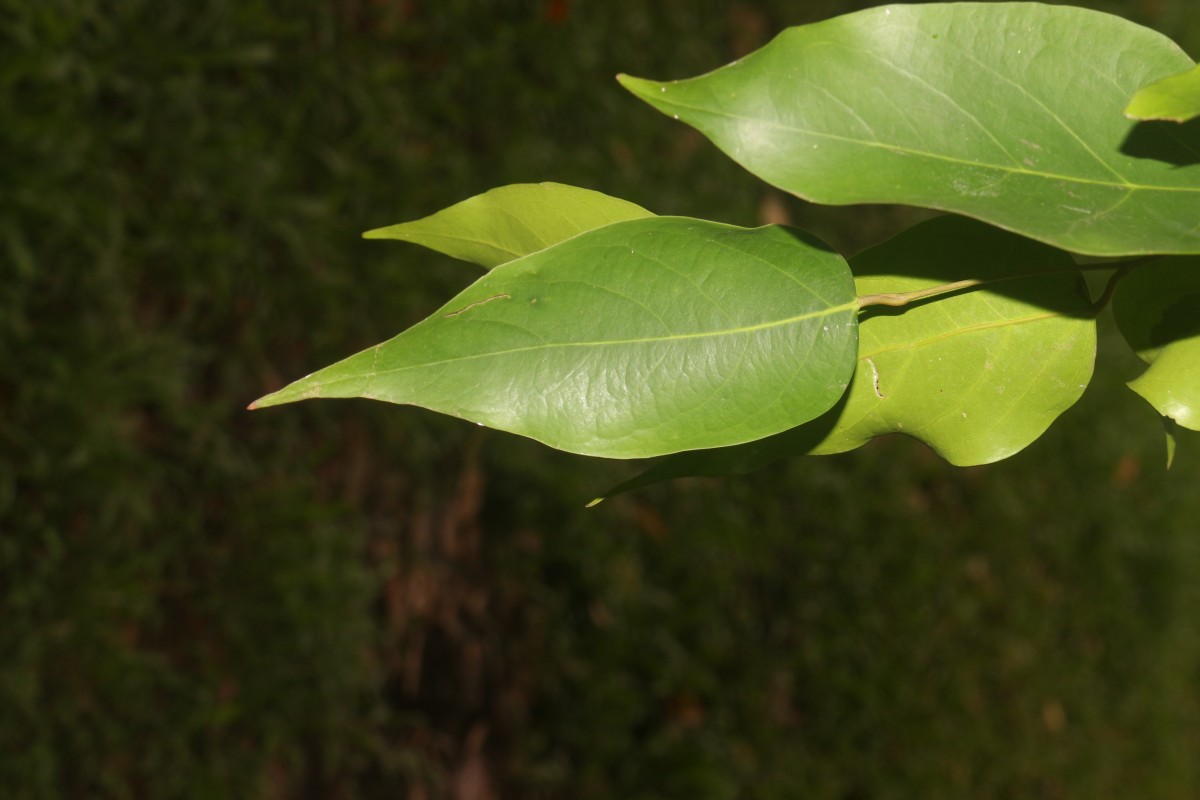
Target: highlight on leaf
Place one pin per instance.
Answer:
(977, 376)
(1007, 112)
(636, 339)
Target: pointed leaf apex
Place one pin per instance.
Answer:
(303, 389)
(266, 401)
(1170, 429)
(389, 232)
(643, 88)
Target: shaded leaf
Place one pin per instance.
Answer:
(1175, 98)
(1007, 112)
(1157, 308)
(512, 221)
(639, 338)
(1172, 436)
(977, 375)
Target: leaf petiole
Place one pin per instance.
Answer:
(904, 298)
(899, 299)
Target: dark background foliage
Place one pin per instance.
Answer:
(343, 600)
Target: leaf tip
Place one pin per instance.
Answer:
(273, 399)
(595, 502)
(1169, 428)
(378, 233)
(641, 87)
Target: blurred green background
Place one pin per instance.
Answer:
(347, 600)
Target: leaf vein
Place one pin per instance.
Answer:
(1124, 185)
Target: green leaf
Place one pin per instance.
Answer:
(977, 375)
(640, 338)
(1175, 98)
(512, 221)
(1006, 112)
(1157, 308)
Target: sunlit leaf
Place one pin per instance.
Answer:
(977, 376)
(1175, 98)
(1007, 112)
(512, 221)
(1157, 308)
(640, 338)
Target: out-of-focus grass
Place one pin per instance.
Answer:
(1024, 629)
(348, 600)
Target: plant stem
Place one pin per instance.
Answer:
(1122, 268)
(1110, 288)
(904, 298)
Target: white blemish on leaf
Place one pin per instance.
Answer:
(501, 296)
(875, 378)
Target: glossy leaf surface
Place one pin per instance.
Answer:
(1007, 112)
(977, 375)
(639, 338)
(512, 221)
(1175, 98)
(1157, 308)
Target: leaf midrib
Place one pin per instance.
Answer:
(1130, 187)
(415, 238)
(826, 312)
(964, 331)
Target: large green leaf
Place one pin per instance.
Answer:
(1175, 98)
(977, 375)
(1007, 112)
(639, 338)
(500, 225)
(1157, 308)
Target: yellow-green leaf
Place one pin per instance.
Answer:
(1175, 99)
(512, 221)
